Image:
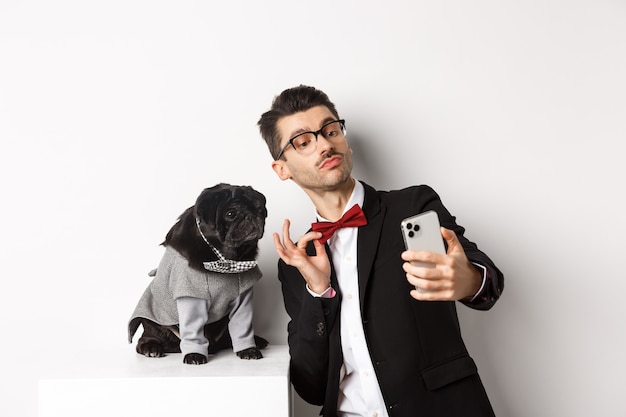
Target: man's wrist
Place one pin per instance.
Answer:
(327, 293)
(483, 275)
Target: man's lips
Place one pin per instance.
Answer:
(331, 162)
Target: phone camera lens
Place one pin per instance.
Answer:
(417, 227)
(411, 234)
(409, 226)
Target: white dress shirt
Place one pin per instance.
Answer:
(359, 392)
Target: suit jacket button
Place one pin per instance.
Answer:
(320, 329)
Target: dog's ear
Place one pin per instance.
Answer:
(256, 199)
(181, 230)
(208, 202)
(183, 236)
(185, 239)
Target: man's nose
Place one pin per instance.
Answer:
(324, 144)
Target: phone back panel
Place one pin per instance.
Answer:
(422, 233)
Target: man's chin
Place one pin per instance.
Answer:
(336, 180)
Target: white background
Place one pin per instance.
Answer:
(115, 115)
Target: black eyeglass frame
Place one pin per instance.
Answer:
(341, 122)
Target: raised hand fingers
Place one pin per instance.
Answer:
(314, 269)
(284, 247)
(287, 243)
(291, 252)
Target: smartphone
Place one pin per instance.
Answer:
(422, 233)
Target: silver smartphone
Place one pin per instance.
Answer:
(422, 233)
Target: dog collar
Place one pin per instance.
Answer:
(223, 265)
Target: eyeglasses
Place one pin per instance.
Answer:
(305, 143)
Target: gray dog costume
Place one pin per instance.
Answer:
(180, 295)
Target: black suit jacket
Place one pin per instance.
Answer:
(421, 362)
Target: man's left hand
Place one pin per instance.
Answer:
(452, 278)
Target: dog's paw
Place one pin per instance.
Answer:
(250, 353)
(260, 342)
(151, 350)
(195, 359)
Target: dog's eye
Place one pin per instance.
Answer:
(230, 214)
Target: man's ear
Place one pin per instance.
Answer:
(281, 170)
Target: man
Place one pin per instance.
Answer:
(371, 334)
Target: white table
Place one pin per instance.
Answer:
(123, 383)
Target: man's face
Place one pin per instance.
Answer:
(325, 169)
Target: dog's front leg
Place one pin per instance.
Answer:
(240, 328)
(193, 313)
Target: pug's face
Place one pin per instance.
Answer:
(232, 218)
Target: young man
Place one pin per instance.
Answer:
(371, 334)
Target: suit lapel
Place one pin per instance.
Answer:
(369, 235)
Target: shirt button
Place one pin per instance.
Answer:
(349, 296)
(374, 414)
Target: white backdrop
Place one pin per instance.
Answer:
(115, 115)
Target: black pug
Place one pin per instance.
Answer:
(200, 299)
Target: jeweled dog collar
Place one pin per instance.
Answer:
(223, 265)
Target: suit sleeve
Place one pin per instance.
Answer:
(311, 322)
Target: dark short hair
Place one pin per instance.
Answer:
(292, 100)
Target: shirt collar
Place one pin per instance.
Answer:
(357, 197)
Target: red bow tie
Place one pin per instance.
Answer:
(351, 218)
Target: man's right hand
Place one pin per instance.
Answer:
(315, 269)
